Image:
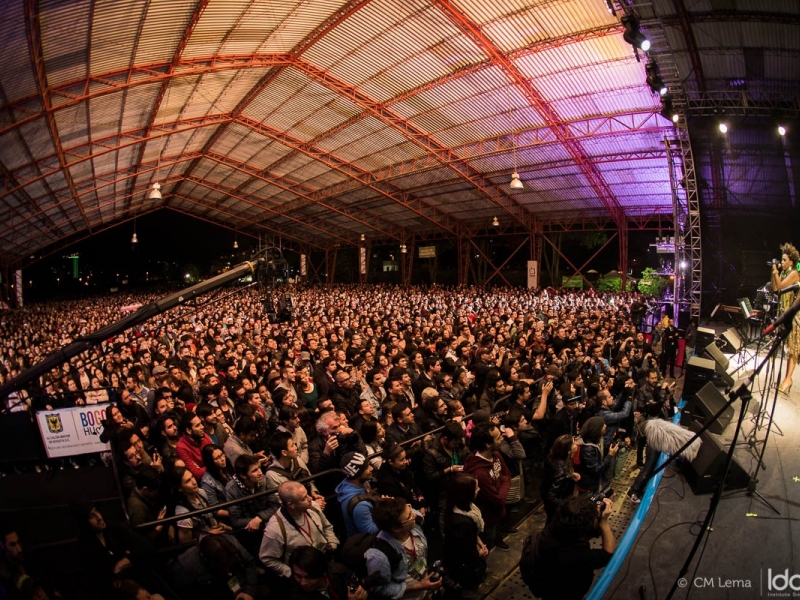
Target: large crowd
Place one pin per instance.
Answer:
(382, 415)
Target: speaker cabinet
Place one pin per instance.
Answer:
(699, 371)
(705, 472)
(703, 406)
(705, 336)
(712, 352)
(721, 378)
(733, 341)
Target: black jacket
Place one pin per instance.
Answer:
(461, 559)
(557, 485)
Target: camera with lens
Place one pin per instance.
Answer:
(353, 582)
(347, 439)
(599, 497)
(437, 573)
(619, 438)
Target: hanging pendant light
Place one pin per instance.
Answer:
(495, 222)
(155, 193)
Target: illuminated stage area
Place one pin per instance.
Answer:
(750, 552)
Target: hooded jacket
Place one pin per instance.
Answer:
(362, 514)
(494, 480)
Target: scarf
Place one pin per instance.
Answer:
(473, 513)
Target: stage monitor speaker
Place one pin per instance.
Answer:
(722, 378)
(699, 371)
(733, 341)
(703, 406)
(705, 472)
(714, 353)
(705, 336)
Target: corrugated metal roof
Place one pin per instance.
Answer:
(386, 106)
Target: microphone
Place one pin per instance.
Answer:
(789, 288)
(785, 318)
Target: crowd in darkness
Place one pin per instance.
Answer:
(424, 410)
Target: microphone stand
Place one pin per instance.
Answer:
(743, 393)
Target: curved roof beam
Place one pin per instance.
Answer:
(199, 8)
(37, 59)
(537, 102)
(258, 203)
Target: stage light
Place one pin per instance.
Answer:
(723, 128)
(654, 79)
(781, 130)
(633, 35)
(676, 117)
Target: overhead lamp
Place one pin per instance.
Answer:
(654, 79)
(363, 237)
(235, 244)
(403, 249)
(667, 110)
(515, 184)
(781, 130)
(134, 238)
(155, 193)
(723, 128)
(495, 221)
(633, 35)
(235, 239)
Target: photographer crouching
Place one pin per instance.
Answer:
(557, 563)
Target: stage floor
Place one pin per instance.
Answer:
(748, 541)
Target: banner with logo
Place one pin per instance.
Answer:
(72, 431)
(533, 274)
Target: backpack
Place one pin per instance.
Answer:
(528, 563)
(358, 499)
(356, 547)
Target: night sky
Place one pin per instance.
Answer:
(172, 244)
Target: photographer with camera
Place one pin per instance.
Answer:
(409, 577)
(558, 563)
(653, 401)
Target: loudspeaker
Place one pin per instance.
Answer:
(705, 471)
(705, 336)
(733, 341)
(705, 405)
(721, 362)
(711, 351)
(699, 371)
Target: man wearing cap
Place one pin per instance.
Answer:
(565, 421)
(354, 494)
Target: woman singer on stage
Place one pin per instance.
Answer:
(787, 276)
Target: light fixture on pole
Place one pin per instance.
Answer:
(515, 183)
(495, 222)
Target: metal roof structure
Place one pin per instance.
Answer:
(325, 120)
